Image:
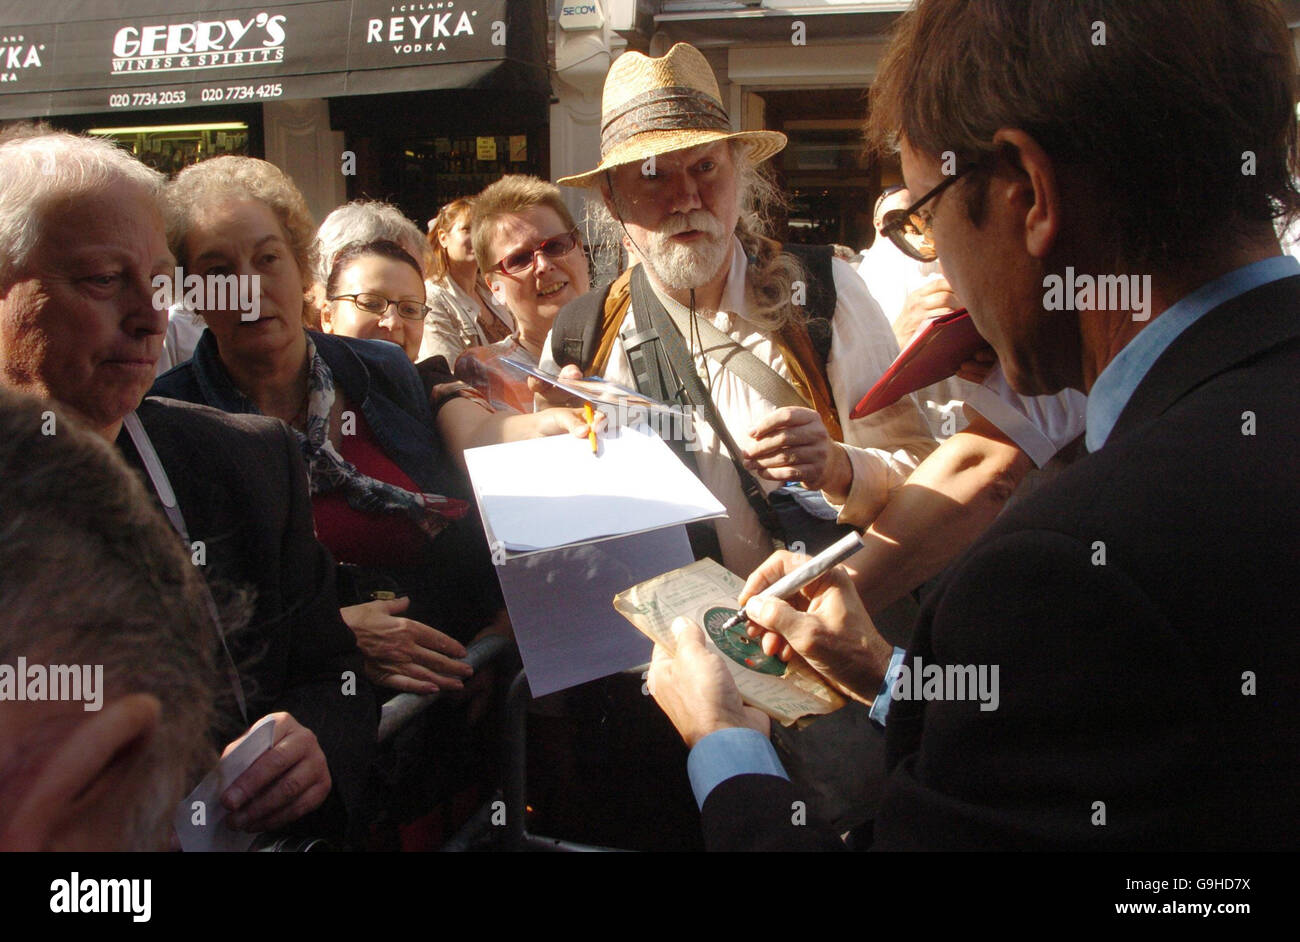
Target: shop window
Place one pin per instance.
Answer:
(170, 148)
(828, 179)
(437, 170)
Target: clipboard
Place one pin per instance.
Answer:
(935, 352)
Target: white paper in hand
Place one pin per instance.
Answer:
(204, 803)
(548, 492)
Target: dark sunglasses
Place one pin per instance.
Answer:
(911, 231)
(554, 247)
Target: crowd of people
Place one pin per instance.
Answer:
(247, 512)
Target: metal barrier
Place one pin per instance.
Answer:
(404, 707)
(479, 833)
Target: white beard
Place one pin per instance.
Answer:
(682, 267)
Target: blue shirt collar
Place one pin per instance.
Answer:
(1117, 382)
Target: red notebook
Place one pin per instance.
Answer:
(935, 352)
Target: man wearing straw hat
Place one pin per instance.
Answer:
(770, 350)
(676, 182)
(682, 189)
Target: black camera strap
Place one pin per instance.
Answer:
(683, 365)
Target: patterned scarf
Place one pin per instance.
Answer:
(328, 471)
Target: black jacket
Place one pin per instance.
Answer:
(452, 584)
(242, 488)
(1155, 691)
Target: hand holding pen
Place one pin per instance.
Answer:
(826, 625)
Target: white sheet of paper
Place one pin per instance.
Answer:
(560, 604)
(213, 834)
(549, 492)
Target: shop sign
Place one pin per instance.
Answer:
(22, 55)
(436, 31)
(164, 48)
(262, 52)
(580, 14)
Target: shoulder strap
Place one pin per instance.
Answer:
(730, 355)
(163, 488)
(683, 364)
(584, 330)
(576, 329)
(807, 386)
(807, 345)
(650, 365)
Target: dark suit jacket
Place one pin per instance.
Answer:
(242, 488)
(1158, 689)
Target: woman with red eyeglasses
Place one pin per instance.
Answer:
(529, 251)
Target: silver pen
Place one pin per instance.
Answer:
(792, 582)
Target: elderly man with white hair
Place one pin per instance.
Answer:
(82, 252)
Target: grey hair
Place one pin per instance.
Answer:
(90, 573)
(772, 275)
(40, 169)
(366, 221)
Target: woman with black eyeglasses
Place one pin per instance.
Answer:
(375, 292)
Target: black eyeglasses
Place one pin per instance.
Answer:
(909, 230)
(378, 305)
(554, 247)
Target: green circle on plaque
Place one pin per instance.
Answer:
(739, 646)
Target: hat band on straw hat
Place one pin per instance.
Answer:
(674, 108)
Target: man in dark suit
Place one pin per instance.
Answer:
(82, 246)
(1115, 664)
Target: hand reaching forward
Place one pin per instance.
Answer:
(932, 298)
(287, 781)
(402, 653)
(792, 444)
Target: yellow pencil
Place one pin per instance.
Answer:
(591, 426)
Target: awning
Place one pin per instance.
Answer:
(91, 57)
(728, 22)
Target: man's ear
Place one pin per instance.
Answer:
(91, 783)
(496, 287)
(1042, 194)
(326, 316)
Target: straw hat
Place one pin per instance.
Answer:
(654, 106)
